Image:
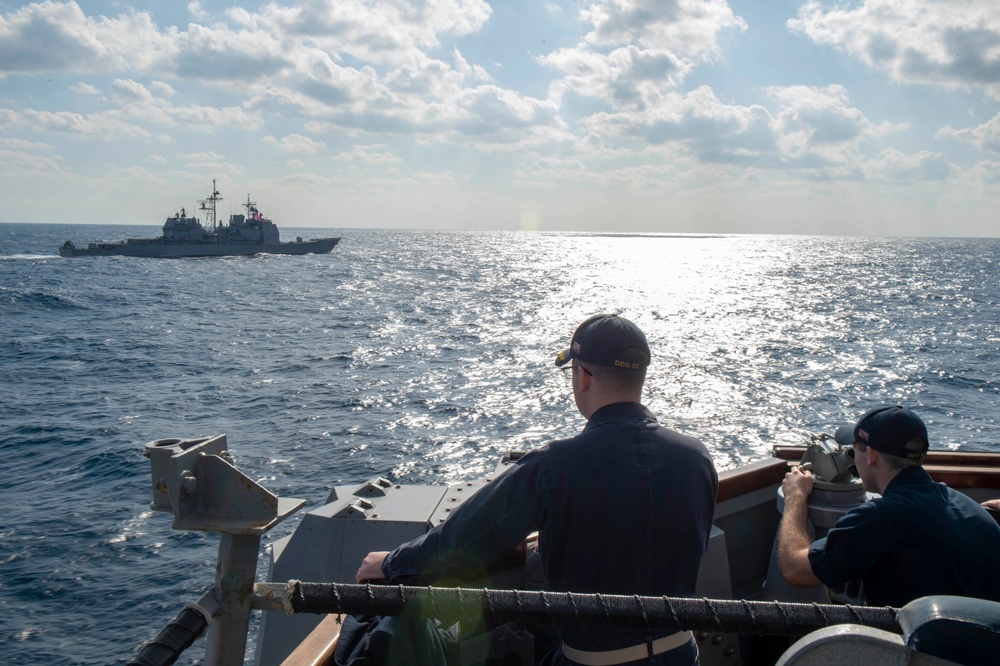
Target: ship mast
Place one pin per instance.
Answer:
(251, 207)
(208, 205)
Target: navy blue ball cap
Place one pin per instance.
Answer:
(608, 340)
(886, 429)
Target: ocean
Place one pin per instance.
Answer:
(422, 356)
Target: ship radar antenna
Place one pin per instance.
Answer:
(253, 213)
(209, 206)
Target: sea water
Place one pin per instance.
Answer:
(423, 356)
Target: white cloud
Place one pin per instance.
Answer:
(17, 163)
(688, 27)
(954, 44)
(85, 89)
(293, 55)
(139, 102)
(987, 172)
(627, 76)
(475, 72)
(212, 162)
(893, 165)
(162, 89)
(373, 154)
(985, 137)
(711, 129)
(295, 143)
(821, 121)
(57, 36)
(639, 50)
(197, 11)
(377, 31)
(107, 125)
(22, 144)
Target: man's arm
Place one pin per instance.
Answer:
(793, 534)
(477, 534)
(371, 567)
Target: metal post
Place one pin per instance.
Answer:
(234, 579)
(197, 481)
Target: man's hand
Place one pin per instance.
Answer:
(798, 484)
(793, 532)
(371, 567)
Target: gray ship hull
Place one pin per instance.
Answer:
(185, 236)
(157, 248)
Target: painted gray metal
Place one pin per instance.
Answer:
(184, 236)
(197, 481)
(156, 248)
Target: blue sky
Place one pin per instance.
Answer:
(873, 117)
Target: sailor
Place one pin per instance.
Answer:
(624, 507)
(919, 538)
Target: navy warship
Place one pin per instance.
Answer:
(185, 236)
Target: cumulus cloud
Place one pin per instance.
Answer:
(689, 27)
(105, 125)
(629, 76)
(894, 165)
(955, 44)
(288, 60)
(141, 104)
(196, 10)
(17, 163)
(608, 105)
(814, 131)
(219, 53)
(699, 121)
(212, 162)
(985, 137)
(295, 143)
(637, 51)
(821, 120)
(987, 171)
(85, 89)
(467, 70)
(22, 144)
(58, 36)
(373, 154)
(378, 31)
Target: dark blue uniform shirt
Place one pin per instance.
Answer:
(920, 538)
(625, 507)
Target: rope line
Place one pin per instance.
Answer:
(713, 611)
(677, 613)
(576, 610)
(753, 618)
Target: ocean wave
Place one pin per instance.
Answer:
(422, 357)
(17, 301)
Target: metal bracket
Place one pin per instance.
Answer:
(197, 480)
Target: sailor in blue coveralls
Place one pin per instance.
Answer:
(624, 507)
(920, 538)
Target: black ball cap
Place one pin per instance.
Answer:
(608, 340)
